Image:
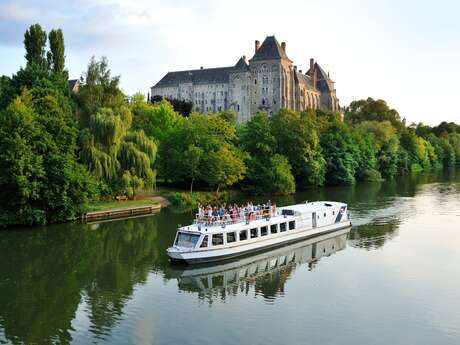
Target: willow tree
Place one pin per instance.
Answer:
(118, 155)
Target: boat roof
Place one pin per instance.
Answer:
(313, 206)
(236, 226)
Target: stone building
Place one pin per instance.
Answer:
(267, 82)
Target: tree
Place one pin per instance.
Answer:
(99, 90)
(282, 180)
(119, 155)
(41, 181)
(372, 110)
(297, 139)
(221, 163)
(223, 168)
(454, 140)
(267, 172)
(193, 158)
(156, 120)
(228, 115)
(386, 142)
(35, 42)
(55, 56)
(340, 151)
(182, 107)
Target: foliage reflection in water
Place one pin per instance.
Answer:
(85, 283)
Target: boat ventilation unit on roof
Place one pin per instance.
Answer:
(287, 212)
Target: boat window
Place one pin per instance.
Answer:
(217, 239)
(274, 228)
(204, 243)
(231, 237)
(282, 227)
(263, 231)
(292, 225)
(243, 235)
(187, 240)
(333, 213)
(254, 233)
(324, 215)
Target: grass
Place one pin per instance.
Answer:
(109, 205)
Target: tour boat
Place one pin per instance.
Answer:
(228, 236)
(226, 275)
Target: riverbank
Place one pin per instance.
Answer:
(124, 208)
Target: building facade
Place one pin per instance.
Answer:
(267, 82)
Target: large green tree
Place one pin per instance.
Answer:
(341, 151)
(372, 110)
(209, 142)
(267, 172)
(41, 180)
(386, 143)
(35, 44)
(297, 140)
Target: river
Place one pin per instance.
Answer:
(394, 278)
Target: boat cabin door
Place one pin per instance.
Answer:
(313, 219)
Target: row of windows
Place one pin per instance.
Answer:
(222, 93)
(218, 239)
(212, 101)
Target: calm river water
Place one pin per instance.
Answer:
(393, 279)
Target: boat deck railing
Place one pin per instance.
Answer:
(264, 212)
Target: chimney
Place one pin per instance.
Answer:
(257, 45)
(313, 72)
(244, 57)
(283, 46)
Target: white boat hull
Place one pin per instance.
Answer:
(263, 243)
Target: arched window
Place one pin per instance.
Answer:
(263, 101)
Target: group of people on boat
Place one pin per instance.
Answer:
(231, 214)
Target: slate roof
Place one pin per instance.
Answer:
(72, 83)
(323, 80)
(305, 79)
(218, 75)
(197, 76)
(242, 65)
(270, 49)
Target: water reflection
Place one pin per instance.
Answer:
(266, 272)
(51, 276)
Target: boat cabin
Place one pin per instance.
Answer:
(285, 220)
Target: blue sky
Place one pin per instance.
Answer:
(406, 52)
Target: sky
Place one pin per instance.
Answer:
(405, 52)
